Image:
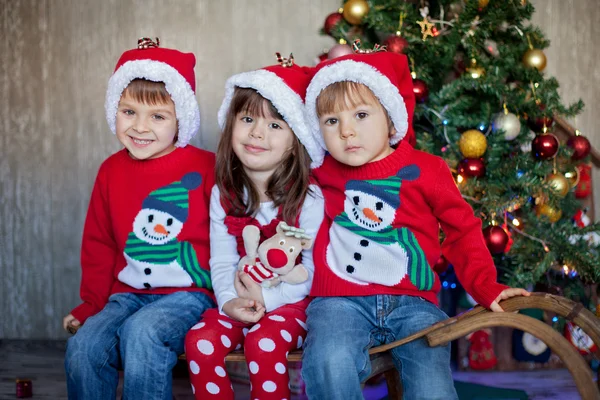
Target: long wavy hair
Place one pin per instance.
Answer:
(288, 185)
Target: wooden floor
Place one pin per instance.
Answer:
(42, 362)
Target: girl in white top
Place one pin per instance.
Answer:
(263, 178)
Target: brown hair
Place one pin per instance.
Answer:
(353, 95)
(288, 185)
(147, 92)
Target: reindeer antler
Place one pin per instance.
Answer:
(146, 43)
(298, 233)
(285, 62)
(375, 49)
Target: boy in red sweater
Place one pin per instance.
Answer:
(373, 254)
(145, 250)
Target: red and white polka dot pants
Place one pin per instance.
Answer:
(266, 345)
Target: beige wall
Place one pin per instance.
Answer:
(573, 28)
(55, 59)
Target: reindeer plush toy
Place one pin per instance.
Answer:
(274, 260)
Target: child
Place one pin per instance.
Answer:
(145, 251)
(375, 249)
(262, 178)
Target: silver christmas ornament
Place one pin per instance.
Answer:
(509, 123)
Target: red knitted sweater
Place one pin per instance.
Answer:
(381, 230)
(147, 228)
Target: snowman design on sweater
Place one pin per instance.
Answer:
(365, 248)
(155, 258)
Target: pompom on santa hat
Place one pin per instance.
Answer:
(172, 67)
(386, 74)
(284, 85)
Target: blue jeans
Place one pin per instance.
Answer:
(143, 334)
(342, 329)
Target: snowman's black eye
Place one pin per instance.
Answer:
(379, 206)
(150, 218)
(356, 200)
(170, 222)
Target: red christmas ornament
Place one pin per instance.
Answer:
(580, 145)
(459, 67)
(321, 57)
(481, 351)
(496, 239)
(473, 167)
(396, 44)
(331, 21)
(584, 187)
(421, 90)
(441, 265)
(339, 50)
(544, 146)
(581, 219)
(537, 124)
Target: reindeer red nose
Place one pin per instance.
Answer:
(277, 258)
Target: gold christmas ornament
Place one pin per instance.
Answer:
(559, 183)
(573, 177)
(355, 11)
(551, 213)
(535, 58)
(472, 144)
(474, 70)
(483, 3)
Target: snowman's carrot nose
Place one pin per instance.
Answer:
(371, 215)
(158, 228)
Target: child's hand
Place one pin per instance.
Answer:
(247, 288)
(244, 310)
(505, 294)
(70, 324)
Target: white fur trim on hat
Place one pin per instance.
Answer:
(284, 99)
(186, 105)
(359, 72)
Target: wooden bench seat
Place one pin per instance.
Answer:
(478, 318)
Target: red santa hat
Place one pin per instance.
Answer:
(284, 85)
(172, 67)
(385, 73)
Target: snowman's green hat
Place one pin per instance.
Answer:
(387, 189)
(174, 197)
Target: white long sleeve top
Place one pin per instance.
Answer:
(224, 256)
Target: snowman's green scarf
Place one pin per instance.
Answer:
(419, 271)
(164, 254)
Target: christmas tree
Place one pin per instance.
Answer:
(487, 108)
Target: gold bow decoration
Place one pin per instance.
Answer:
(285, 62)
(356, 48)
(147, 43)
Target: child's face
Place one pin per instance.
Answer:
(357, 135)
(261, 142)
(147, 131)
